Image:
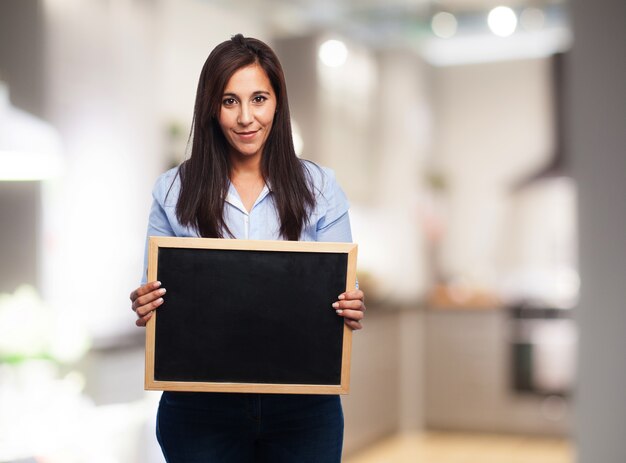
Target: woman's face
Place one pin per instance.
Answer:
(247, 111)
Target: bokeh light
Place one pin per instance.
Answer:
(502, 21)
(444, 25)
(333, 53)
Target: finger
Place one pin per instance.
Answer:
(351, 314)
(355, 325)
(351, 295)
(351, 304)
(148, 308)
(144, 289)
(148, 298)
(143, 320)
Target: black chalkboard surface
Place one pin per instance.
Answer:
(249, 316)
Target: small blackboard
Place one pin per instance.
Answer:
(249, 316)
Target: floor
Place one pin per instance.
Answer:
(443, 447)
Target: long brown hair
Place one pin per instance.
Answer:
(205, 175)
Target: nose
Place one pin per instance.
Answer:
(245, 115)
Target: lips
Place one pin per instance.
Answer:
(247, 135)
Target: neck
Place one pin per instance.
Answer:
(245, 165)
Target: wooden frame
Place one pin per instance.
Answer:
(158, 243)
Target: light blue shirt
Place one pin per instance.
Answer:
(329, 220)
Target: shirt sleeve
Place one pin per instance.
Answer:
(158, 224)
(337, 231)
(334, 224)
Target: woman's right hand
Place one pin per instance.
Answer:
(145, 300)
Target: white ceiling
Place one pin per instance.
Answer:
(367, 13)
(404, 23)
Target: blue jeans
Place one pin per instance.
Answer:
(207, 427)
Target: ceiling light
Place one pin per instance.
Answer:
(333, 53)
(444, 25)
(502, 21)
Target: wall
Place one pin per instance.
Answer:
(369, 120)
(493, 125)
(597, 139)
(119, 75)
(392, 228)
(100, 67)
(21, 69)
(186, 33)
(20, 208)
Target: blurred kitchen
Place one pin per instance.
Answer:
(463, 132)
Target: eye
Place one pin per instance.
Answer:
(229, 101)
(259, 99)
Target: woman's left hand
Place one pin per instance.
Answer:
(351, 307)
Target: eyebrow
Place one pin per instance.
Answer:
(258, 92)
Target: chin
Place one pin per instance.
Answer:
(246, 151)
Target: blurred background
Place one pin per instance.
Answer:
(480, 143)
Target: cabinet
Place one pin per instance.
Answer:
(468, 378)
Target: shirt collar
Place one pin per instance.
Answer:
(232, 197)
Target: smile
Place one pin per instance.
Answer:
(246, 135)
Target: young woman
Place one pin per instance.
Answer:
(244, 181)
